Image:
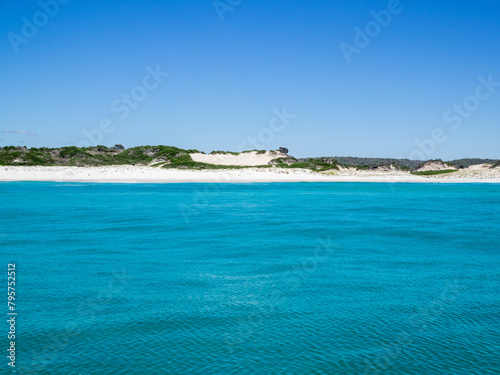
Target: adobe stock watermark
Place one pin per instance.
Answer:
(290, 281)
(224, 6)
(124, 105)
(455, 115)
(201, 198)
(371, 30)
(418, 324)
(32, 25)
(56, 342)
(277, 124)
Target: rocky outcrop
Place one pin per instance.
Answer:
(159, 160)
(285, 160)
(390, 168)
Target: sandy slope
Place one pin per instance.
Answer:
(244, 159)
(435, 166)
(479, 171)
(160, 175)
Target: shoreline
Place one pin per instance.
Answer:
(144, 174)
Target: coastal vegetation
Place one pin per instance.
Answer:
(431, 173)
(464, 163)
(155, 156)
(369, 163)
(224, 153)
(92, 156)
(437, 162)
(237, 153)
(174, 157)
(313, 165)
(402, 164)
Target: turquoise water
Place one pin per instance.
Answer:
(292, 278)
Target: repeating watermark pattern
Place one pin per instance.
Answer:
(460, 112)
(364, 36)
(31, 26)
(201, 198)
(124, 105)
(86, 313)
(455, 116)
(224, 6)
(418, 324)
(290, 281)
(266, 135)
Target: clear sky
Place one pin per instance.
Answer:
(404, 78)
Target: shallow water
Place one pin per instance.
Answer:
(283, 278)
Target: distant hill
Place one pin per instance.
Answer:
(464, 163)
(367, 163)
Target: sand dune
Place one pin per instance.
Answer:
(252, 158)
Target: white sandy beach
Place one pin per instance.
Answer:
(144, 174)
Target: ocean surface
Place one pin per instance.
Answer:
(282, 278)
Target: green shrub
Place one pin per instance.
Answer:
(315, 166)
(72, 151)
(431, 173)
(7, 158)
(224, 153)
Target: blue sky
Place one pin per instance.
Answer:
(423, 84)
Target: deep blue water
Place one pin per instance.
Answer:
(292, 278)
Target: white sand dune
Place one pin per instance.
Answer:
(143, 174)
(249, 159)
(435, 166)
